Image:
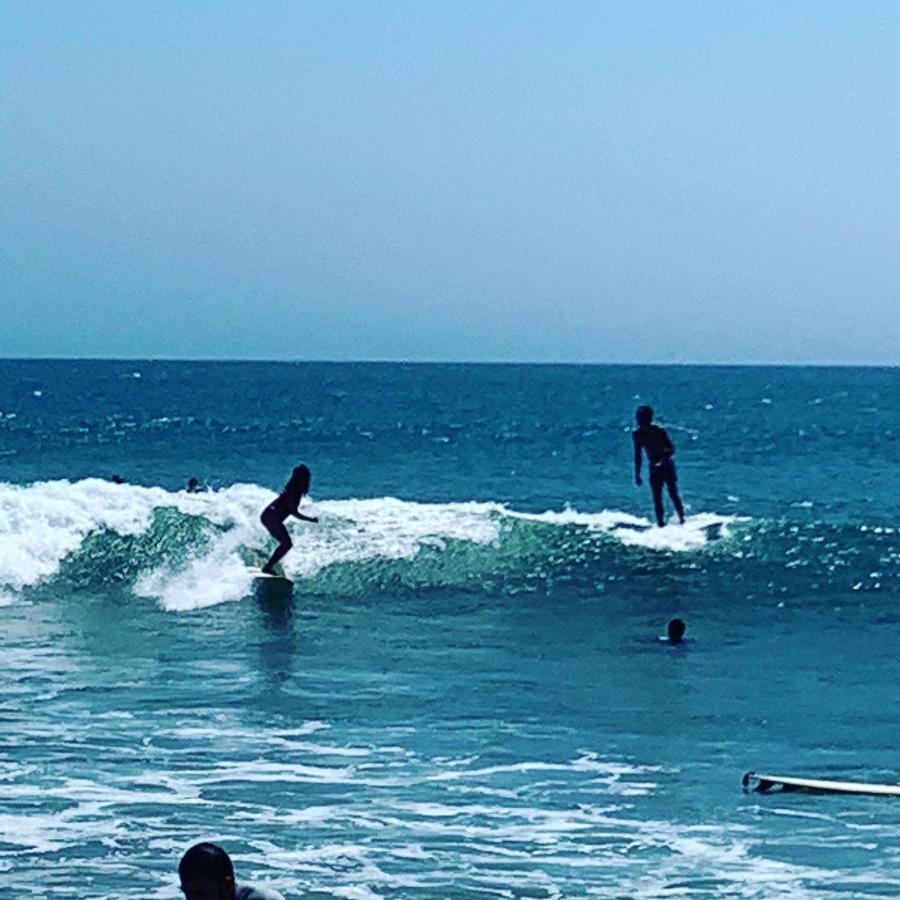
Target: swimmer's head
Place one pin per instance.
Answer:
(644, 415)
(675, 631)
(206, 873)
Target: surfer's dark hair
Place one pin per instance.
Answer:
(301, 478)
(205, 862)
(644, 414)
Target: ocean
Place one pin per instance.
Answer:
(465, 695)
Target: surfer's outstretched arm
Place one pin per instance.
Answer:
(295, 511)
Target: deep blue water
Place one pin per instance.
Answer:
(465, 694)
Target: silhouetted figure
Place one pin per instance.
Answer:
(193, 486)
(206, 873)
(286, 504)
(675, 631)
(659, 448)
(118, 479)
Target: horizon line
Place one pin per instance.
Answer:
(451, 362)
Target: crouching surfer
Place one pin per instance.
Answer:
(284, 505)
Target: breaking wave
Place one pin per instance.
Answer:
(191, 550)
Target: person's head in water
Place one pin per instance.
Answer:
(206, 873)
(644, 415)
(675, 631)
(300, 479)
(193, 486)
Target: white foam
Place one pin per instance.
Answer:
(190, 588)
(398, 842)
(636, 531)
(41, 524)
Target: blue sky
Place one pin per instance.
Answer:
(566, 181)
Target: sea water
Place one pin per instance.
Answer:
(465, 695)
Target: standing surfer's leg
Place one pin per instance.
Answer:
(676, 501)
(277, 529)
(656, 486)
(672, 485)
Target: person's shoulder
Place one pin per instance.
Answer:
(248, 892)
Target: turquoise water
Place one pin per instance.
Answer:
(465, 695)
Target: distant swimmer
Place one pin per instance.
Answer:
(207, 873)
(193, 486)
(660, 449)
(286, 504)
(675, 631)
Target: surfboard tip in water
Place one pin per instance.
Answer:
(759, 783)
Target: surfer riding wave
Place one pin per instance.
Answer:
(286, 504)
(659, 448)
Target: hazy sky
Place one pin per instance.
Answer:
(562, 181)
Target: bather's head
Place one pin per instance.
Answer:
(206, 873)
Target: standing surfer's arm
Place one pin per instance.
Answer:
(300, 515)
(637, 460)
(668, 446)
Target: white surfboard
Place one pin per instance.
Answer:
(712, 530)
(786, 783)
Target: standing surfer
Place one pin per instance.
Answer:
(660, 450)
(284, 505)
